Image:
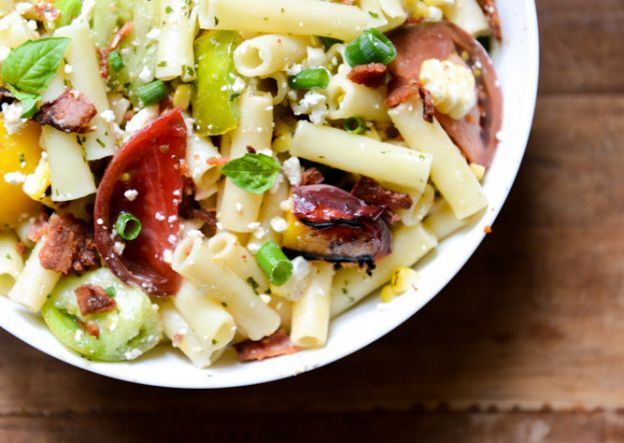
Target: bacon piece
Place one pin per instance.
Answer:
(116, 40)
(272, 346)
(428, 106)
(371, 75)
(474, 134)
(68, 246)
(93, 299)
(72, 111)
(38, 228)
(491, 13)
(217, 161)
(45, 11)
(91, 328)
(373, 193)
(311, 176)
(348, 2)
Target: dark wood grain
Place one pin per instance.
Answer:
(525, 345)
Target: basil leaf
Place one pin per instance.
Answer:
(69, 10)
(29, 101)
(30, 67)
(255, 173)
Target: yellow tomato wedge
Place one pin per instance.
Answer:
(19, 153)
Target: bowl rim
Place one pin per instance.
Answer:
(112, 370)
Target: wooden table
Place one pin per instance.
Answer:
(526, 344)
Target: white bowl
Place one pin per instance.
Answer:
(516, 61)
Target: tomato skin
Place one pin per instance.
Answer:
(149, 164)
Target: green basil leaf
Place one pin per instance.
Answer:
(255, 173)
(69, 10)
(30, 67)
(29, 101)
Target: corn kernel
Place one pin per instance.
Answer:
(182, 96)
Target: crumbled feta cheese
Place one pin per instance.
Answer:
(172, 239)
(313, 104)
(99, 221)
(168, 256)
(12, 117)
(294, 69)
(119, 247)
(292, 171)
(68, 69)
(253, 226)
(316, 57)
(159, 216)
(131, 194)
(14, 178)
(32, 25)
(265, 298)
(153, 34)
(239, 207)
(107, 115)
(451, 85)
(260, 232)
(145, 75)
(286, 205)
(172, 218)
(239, 85)
(278, 224)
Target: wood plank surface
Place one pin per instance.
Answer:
(525, 345)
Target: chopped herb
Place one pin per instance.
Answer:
(216, 21)
(111, 291)
(214, 342)
(373, 14)
(253, 283)
(168, 9)
(100, 142)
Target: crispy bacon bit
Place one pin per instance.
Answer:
(116, 40)
(371, 75)
(68, 246)
(251, 150)
(272, 346)
(72, 111)
(402, 94)
(373, 193)
(38, 228)
(311, 176)
(90, 328)
(46, 11)
(93, 299)
(217, 161)
(21, 248)
(348, 2)
(491, 12)
(428, 106)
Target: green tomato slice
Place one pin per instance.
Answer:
(126, 333)
(215, 104)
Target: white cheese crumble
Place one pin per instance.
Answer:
(292, 171)
(131, 194)
(145, 75)
(119, 247)
(278, 224)
(313, 104)
(265, 298)
(159, 216)
(141, 119)
(108, 115)
(168, 256)
(316, 57)
(68, 69)
(153, 34)
(14, 178)
(451, 85)
(12, 117)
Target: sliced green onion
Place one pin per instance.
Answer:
(355, 125)
(274, 263)
(128, 226)
(372, 46)
(111, 291)
(115, 61)
(328, 42)
(152, 92)
(310, 78)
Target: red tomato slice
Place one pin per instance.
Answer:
(150, 165)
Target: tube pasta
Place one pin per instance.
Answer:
(361, 155)
(204, 174)
(175, 56)
(35, 282)
(65, 154)
(468, 15)
(299, 17)
(421, 205)
(442, 222)
(347, 99)
(226, 251)
(384, 14)
(310, 314)
(449, 170)
(275, 84)
(268, 212)
(193, 260)
(11, 263)
(239, 209)
(14, 30)
(410, 244)
(210, 326)
(268, 54)
(85, 77)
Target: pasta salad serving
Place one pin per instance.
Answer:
(232, 174)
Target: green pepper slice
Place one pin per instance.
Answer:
(215, 108)
(125, 333)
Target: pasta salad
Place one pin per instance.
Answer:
(232, 174)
